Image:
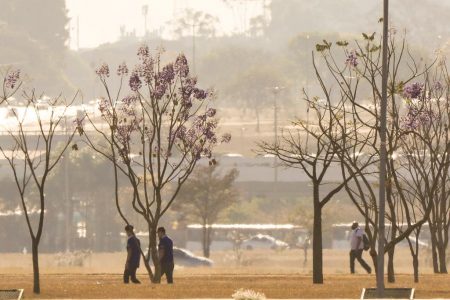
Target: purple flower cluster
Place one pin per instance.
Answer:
(413, 90)
(103, 105)
(143, 52)
(352, 59)
(167, 74)
(129, 100)
(103, 70)
(127, 106)
(180, 133)
(181, 66)
(135, 82)
(11, 79)
(162, 81)
(159, 90)
(211, 112)
(124, 132)
(200, 94)
(415, 118)
(172, 93)
(122, 70)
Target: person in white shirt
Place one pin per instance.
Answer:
(357, 248)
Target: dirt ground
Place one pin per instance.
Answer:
(277, 274)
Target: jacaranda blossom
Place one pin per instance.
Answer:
(413, 90)
(122, 70)
(12, 78)
(352, 59)
(135, 82)
(103, 70)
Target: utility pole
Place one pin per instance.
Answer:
(275, 91)
(69, 212)
(145, 13)
(193, 46)
(383, 154)
(78, 32)
(307, 91)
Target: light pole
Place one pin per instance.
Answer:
(145, 13)
(69, 208)
(383, 154)
(275, 91)
(307, 91)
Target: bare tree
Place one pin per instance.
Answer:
(155, 135)
(205, 195)
(358, 94)
(38, 138)
(195, 23)
(309, 147)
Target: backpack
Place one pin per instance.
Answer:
(366, 242)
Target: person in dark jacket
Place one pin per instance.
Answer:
(133, 256)
(165, 252)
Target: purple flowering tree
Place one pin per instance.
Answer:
(37, 140)
(159, 125)
(426, 143)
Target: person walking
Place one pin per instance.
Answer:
(306, 244)
(133, 256)
(165, 252)
(357, 248)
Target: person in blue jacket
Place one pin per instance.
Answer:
(133, 256)
(165, 252)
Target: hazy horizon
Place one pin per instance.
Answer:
(96, 29)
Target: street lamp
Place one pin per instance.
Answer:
(275, 90)
(145, 13)
(383, 154)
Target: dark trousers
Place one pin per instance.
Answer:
(167, 268)
(357, 254)
(130, 272)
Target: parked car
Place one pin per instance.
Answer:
(186, 258)
(263, 241)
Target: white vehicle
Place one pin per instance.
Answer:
(262, 241)
(186, 258)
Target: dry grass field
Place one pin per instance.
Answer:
(277, 274)
(100, 286)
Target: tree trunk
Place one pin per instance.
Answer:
(147, 263)
(317, 239)
(445, 245)
(258, 129)
(433, 250)
(416, 267)
(153, 245)
(35, 254)
(373, 255)
(442, 260)
(205, 240)
(390, 266)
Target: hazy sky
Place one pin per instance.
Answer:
(100, 20)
